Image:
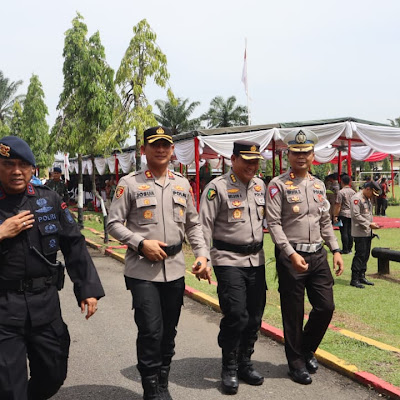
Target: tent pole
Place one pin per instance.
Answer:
(349, 157)
(280, 162)
(180, 168)
(116, 168)
(197, 162)
(392, 173)
(223, 165)
(339, 162)
(273, 158)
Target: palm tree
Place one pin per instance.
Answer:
(176, 115)
(225, 113)
(395, 122)
(7, 97)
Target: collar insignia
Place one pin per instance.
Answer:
(30, 189)
(170, 175)
(292, 175)
(233, 178)
(148, 174)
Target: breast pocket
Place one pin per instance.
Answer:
(179, 206)
(49, 237)
(236, 210)
(147, 210)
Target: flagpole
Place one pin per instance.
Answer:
(246, 83)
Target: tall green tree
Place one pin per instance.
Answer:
(143, 60)
(223, 113)
(386, 164)
(8, 96)
(88, 99)
(16, 120)
(35, 130)
(176, 115)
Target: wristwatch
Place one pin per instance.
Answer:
(140, 247)
(335, 251)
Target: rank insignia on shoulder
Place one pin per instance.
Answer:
(273, 190)
(211, 194)
(233, 178)
(119, 191)
(170, 175)
(257, 188)
(148, 174)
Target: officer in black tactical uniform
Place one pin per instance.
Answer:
(34, 224)
(58, 185)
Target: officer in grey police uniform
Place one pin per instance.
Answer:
(34, 225)
(299, 223)
(158, 208)
(361, 230)
(232, 211)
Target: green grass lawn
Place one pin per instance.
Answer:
(372, 312)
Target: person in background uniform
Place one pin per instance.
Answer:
(158, 209)
(232, 211)
(34, 179)
(361, 230)
(56, 184)
(332, 190)
(381, 201)
(342, 213)
(299, 224)
(34, 225)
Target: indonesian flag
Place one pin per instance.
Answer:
(66, 166)
(244, 72)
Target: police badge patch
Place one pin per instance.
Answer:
(119, 191)
(211, 194)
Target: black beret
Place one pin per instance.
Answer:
(156, 133)
(248, 150)
(57, 169)
(15, 147)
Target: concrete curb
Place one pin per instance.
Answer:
(325, 358)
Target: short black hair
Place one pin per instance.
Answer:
(346, 179)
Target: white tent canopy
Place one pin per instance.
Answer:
(365, 139)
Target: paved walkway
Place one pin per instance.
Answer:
(102, 358)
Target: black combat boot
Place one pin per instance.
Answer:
(229, 377)
(246, 372)
(163, 382)
(355, 280)
(364, 280)
(150, 387)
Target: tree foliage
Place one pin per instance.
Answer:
(7, 97)
(34, 128)
(16, 120)
(223, 113)
(176, 115)
(143, 60)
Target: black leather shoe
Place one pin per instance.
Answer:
(230, 382)
(365, 281)
(311, 362)
(249, 375)
(357, 284)
(300, 376)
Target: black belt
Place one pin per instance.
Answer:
(28, 285)
(173, 249)
(252, 248)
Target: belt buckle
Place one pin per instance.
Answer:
(25, 285)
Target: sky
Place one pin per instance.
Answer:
(308, 59)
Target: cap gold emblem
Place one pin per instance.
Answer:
(160, 131)
(300, 138)
(4, 150)
(253, 148)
